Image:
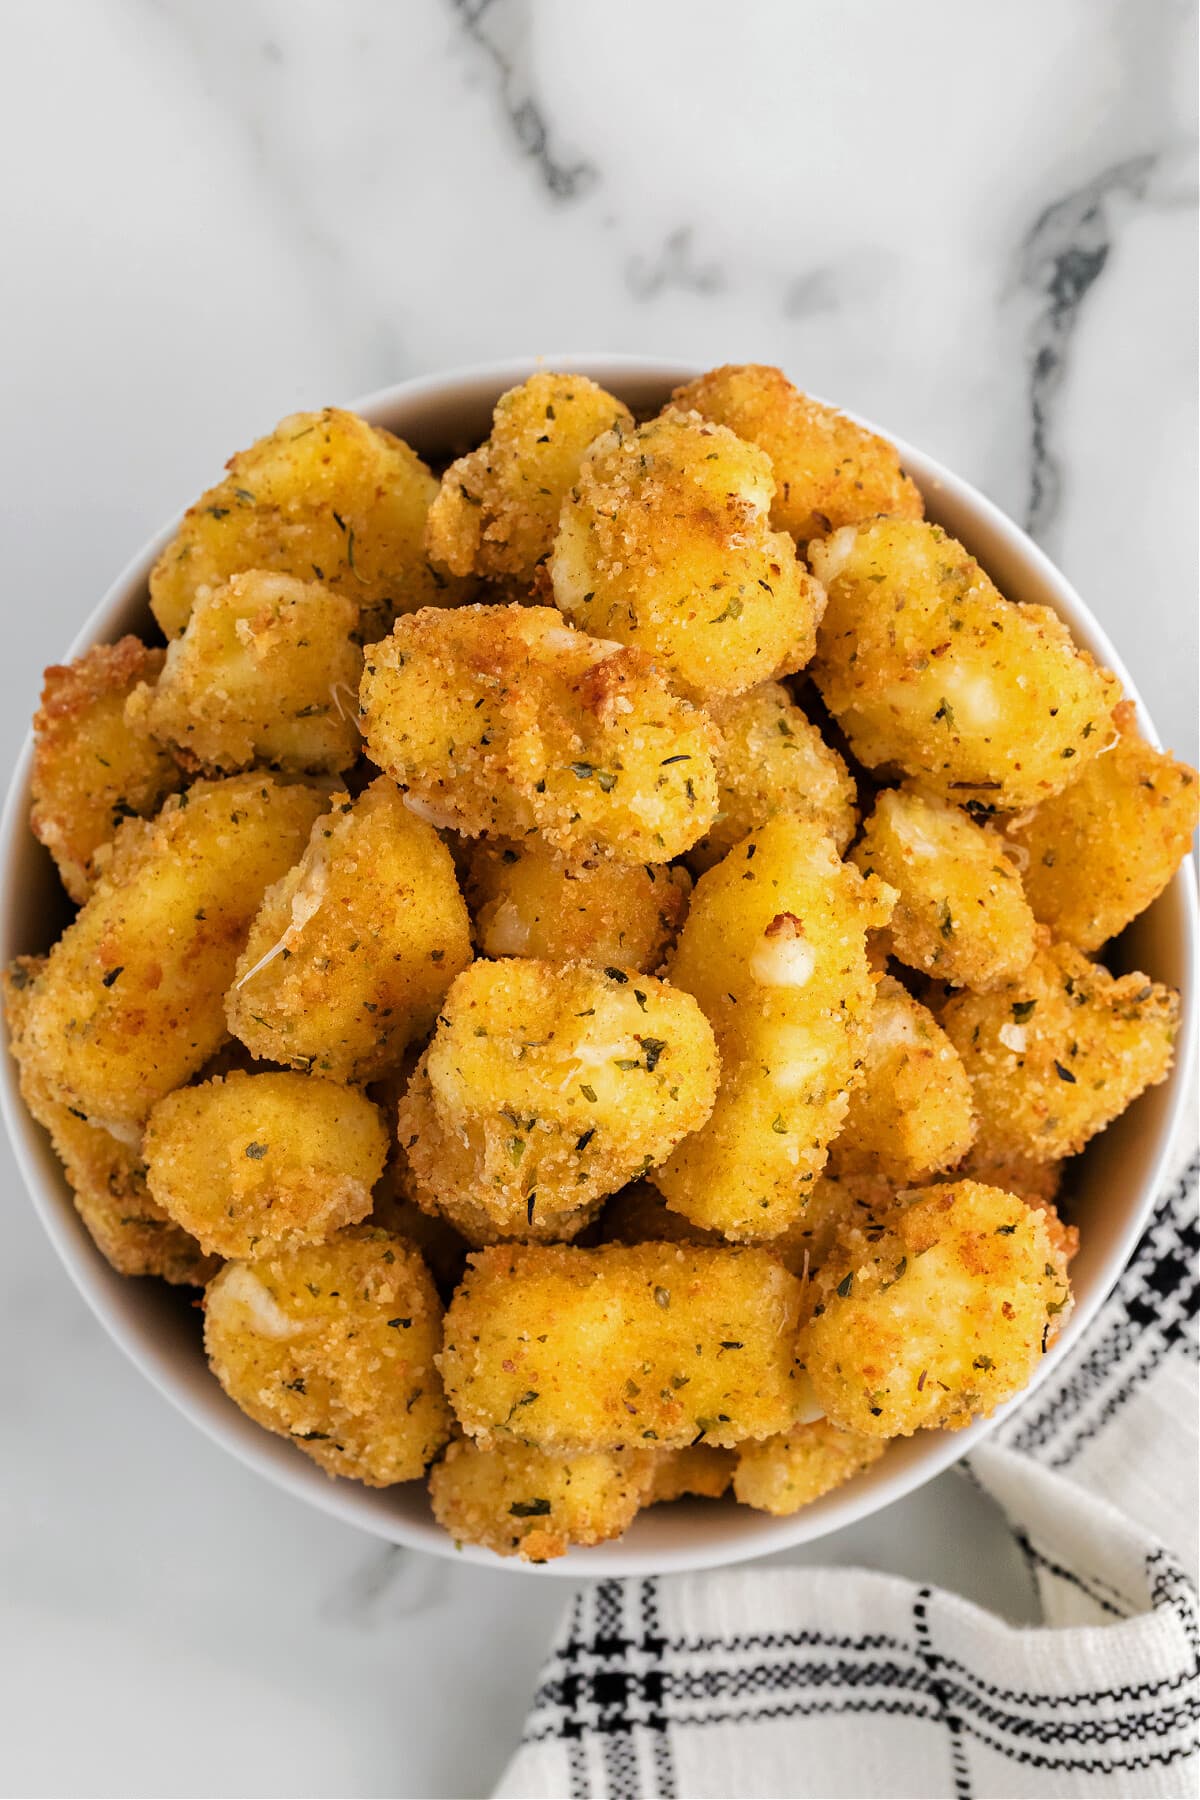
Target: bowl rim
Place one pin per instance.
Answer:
(205, 1405)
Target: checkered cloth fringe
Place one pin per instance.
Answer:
(795, 1681)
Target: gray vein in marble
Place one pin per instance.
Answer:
(501, 30)
(857, 277)
(1062, 256)
(230, 70)
(388, 1584)
(675, 266)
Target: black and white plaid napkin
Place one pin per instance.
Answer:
(796, 1681)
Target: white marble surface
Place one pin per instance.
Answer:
(976, 224)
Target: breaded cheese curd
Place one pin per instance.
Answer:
(911, 1112)
(1096, 855)
(502, 719)
(252, 1163)
(962, 915)
(91, 767)
(529, 900)
(928, 668)
(782, 1474)
(655, 1345)
(774, 949)
(107, 1177)
(334, 1346)
(547, 1087)
(496, 511)
(1060, 1052)
(665, 543)
(131, 1001)
(938, 1317)
(324, 497)
(699, 1472)
(265, 671)
(832, 1205)
(772, 759)
(351, 952)
(829, 470)
(519, 1501)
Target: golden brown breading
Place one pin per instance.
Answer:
(700, 1471)
(523, 1502)
(835, 1206)
(528, 900)
(334, 1346)
(911, 1112)
(107, 1177)
(772, 760)
(962, 915)
(497, 509)
(925, 665)
(1096, 855)
(265, 671)
(501, 719)
(91, 768)
(1056, 1055)
(444, 1249)
(665, 543)
(659, 1344)
(1037, 1183)
(254, 1163)
(938, 1316)
(829, 470)
(131, 1002)
(352, 950)
(774, 949)
(784, 1473)
(325, 497)
(547, 1087)
(639, 1214)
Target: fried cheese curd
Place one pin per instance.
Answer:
(1096, 855)
(545, 1088)
(936, 1316)
(1037, 1184)
(253, 1163)
(131, 1002)
(927, 667)
(519, 1501)
(335, 1346)
(265, 671)
(502, 719)
(772, 759)
(91, 766)
(324, 497)
(829, 470)
(107, 1177)
(831, 1205)
(393, 1208)
(665, 543)
(911, 1113)
(529, 900)
(961, 915)
(774, 949)
(497, 509)
(352, 950)
(1060, 1052)
(784, 1473)
(657, 1345)
(697, 1472)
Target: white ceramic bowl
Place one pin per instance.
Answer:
(1114, 1188)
